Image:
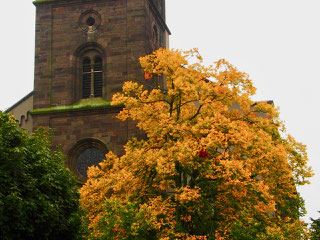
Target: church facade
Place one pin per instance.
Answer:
(85, 50)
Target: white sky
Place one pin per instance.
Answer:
(276, 41)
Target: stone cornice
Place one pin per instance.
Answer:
(83, 105)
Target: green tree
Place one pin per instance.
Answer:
(38, 195)
(315, 229)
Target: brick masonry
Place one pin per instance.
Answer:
(125, 32)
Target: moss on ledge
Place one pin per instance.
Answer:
(84, 104)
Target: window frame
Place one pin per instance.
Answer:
(90, 50)
(80, 147)
(92, 56)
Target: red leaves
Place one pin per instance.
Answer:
(203, 153)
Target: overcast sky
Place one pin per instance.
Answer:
(276, 41)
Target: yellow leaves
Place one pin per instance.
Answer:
(162, 61)
(203, 133)
(160, 214)
(186, 237)
(228, 75)
(295, 230)
(186, 195)
(12, 118)
(191, 237)
(298, 160)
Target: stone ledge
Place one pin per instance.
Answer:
(84, 104)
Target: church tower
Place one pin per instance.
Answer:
(85, 51)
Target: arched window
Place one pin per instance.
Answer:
(88, 157)
(92, 75)
(155, 34)
(89, 78)
(85, 153)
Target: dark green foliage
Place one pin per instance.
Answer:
(129, 215)
(293, 207)
(243, 229)
(38, 195)
(315, 229)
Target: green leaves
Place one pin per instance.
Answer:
(125, 221)
(38, 195)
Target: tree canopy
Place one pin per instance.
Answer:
(214, 165)
(38, 195)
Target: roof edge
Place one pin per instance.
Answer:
(158, 16)
(20, 101)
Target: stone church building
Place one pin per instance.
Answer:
(85, 50)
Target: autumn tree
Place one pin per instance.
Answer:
(38, 195)
(214, 165)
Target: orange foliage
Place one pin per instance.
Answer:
(147, 76)
(213, 159)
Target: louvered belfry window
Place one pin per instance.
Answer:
(86, 78)
(92, 72)
(97, 79)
